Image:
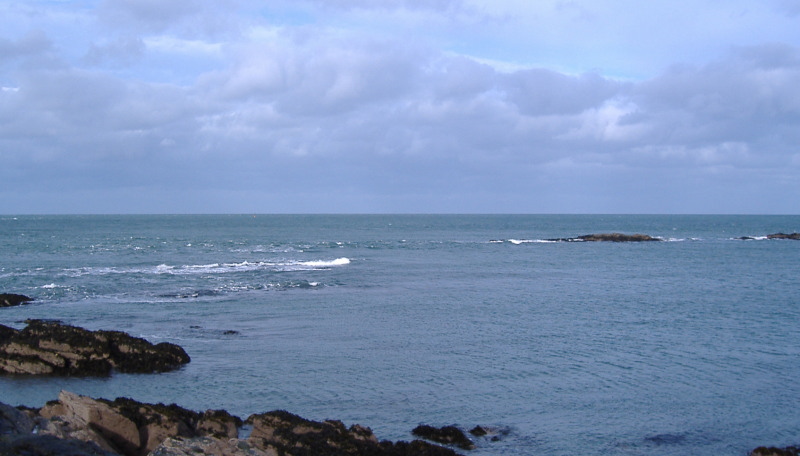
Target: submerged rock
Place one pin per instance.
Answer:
(491, 433)
(51, 348)
(448, 435)
(11, 299)
(794, 236)
(773, 451)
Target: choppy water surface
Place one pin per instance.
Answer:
(667, 348)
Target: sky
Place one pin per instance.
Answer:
(400, 106)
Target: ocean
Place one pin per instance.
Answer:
(688, 346)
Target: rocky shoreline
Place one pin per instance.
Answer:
(82, 426)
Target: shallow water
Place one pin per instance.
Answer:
(389, 321)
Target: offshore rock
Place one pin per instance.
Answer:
(609, 237)
(794, 236)
(52, 348)
(448, 435)
(286, 434)
(11, 299)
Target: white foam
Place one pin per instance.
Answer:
(325, 264)
(50, 286)
(211, 268)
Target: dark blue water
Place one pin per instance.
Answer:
(684, 346)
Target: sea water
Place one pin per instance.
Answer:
(687, 346)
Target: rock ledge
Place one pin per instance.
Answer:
(52, 348)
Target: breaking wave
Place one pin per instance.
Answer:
(212, 268)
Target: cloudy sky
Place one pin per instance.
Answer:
(376, 106)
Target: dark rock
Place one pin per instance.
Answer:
(666, 439)
(10, 299)
(794, 236)
(47, 445)
(448, 435)
(773, 451)
(609, 237)
(491, 433)
(48, 348)
(14, 421)
(230, 332)
(617, 237)
(291, 435)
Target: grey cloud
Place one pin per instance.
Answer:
(436, 5)
(195, 18)
(34, 43)
(458, 77)
(749, 97)
(153, 14)
(545, 92)
(122, 51)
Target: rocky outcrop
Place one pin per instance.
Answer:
(794, 236)
(608, 237)
(448, 435)
(79, 425)
(52, 348)
(10, 299)
(128, 427)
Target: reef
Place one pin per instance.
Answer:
(609, 237)
(793, 236)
